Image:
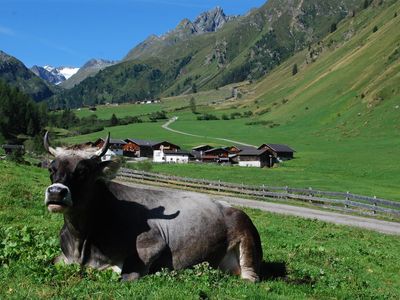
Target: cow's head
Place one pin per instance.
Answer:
(73, 173)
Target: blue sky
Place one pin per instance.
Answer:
(70, 32)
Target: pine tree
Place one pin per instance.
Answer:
(114, 120)
(294, 69)
(192, 105)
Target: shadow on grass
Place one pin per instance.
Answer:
(273, 270)
(278, 271)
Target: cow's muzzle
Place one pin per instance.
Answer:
(58, 198)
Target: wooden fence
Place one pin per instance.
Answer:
(333, 200)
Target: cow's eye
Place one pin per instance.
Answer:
(80, 172)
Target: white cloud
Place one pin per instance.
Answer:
(6, 31)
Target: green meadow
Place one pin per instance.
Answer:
(304, 259)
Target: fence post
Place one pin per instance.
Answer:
(263, 190)
(310, 193)
(219, 185)
(375, 204)
(347, 199)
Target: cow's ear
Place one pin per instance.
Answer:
(108, 168)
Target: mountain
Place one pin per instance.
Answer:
(51, 77)
(54, 75)
(212, 51)
(207, 22)
(90, 68)
(15, 73)
(67, 72)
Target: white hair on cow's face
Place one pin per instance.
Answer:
(85, 153)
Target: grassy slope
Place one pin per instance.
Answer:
(321, 260)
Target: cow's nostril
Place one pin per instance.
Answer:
(53, 190)
(63, 192)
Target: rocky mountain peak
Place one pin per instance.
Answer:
(211, 21)
(97, 63)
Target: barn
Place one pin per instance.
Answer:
(146, 148)
(278, 151)
(219, 155)
(259, 158)
(9, 149)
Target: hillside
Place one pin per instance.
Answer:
(182, 61)
(349, 82)
(15, 73)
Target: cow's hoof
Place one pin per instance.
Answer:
(130, 276)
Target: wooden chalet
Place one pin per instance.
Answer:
(198, 152)
(9, 149)
(278, 151)
(218, 155)
(255, 158)
(145, 148)
(116, 145)
(233, 149)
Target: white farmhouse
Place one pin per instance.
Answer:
(171, 156)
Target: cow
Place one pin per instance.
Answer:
(138, 231)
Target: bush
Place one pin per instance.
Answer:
(159, 115)
(333, 27)
(207, 117)
(235, 114)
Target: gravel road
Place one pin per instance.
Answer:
(308, 213)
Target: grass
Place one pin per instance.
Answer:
(321, 260)
(168, 104)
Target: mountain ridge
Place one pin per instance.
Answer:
(16, 74)
(246, 48)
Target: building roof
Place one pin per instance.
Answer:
(12, 146)
(166, 142)
(112, 141)
(278, 147)
(252, 152)
(143, 142)
(199, 148)
(242, 147)
(215, 149)
(178, 152)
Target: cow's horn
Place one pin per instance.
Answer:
(104, 149)
(47, 146)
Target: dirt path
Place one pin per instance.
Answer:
(173, 119)
(308, 213)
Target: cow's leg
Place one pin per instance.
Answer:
(149, 246)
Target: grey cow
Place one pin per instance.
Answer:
(139, 231)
